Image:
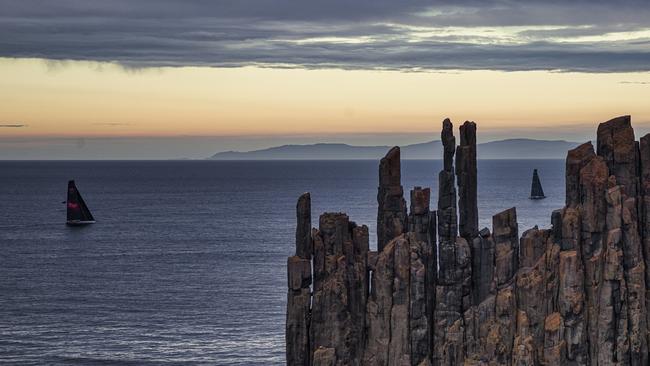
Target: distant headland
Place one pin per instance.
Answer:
(502, 149)
(440, 290)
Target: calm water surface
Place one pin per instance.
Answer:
(186, 264)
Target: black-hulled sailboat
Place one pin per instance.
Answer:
(78, 212)
(536, 191)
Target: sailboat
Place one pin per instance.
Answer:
(78, 212)
(536, 191)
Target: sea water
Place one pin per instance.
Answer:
(187, 261)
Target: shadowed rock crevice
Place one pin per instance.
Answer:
(439, 291)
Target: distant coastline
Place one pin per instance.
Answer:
(503, 149)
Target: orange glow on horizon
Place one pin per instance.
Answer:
(83, 99)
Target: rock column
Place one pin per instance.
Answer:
(299, 295)
(617, 147)
(454, 276)
(391, 215)
(466, 174)
(340, 288)
(423, 265)
(531, 289)
(644, 220)
(447, 220)
(506, 240)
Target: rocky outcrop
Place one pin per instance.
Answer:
(573, 294)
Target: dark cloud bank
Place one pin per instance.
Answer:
(588, 36)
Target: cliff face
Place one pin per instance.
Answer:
(439, 291)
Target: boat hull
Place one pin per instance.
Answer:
(537, 197)
(79, 222)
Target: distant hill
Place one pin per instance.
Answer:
(503, 149)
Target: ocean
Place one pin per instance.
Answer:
(187, 261)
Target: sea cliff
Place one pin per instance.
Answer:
(441, 291)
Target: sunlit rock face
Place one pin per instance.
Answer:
(439, 291)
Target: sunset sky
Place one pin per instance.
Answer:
(174, 79)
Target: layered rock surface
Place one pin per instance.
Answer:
(439, 291)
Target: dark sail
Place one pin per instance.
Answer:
(536, 191)
(78, 212)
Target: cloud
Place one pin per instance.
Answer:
(12, 125)
(594, 36)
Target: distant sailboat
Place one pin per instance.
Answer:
(536, 191)
(78, 212)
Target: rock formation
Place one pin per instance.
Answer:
(439, 291)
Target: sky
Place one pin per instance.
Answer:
(147, 79)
